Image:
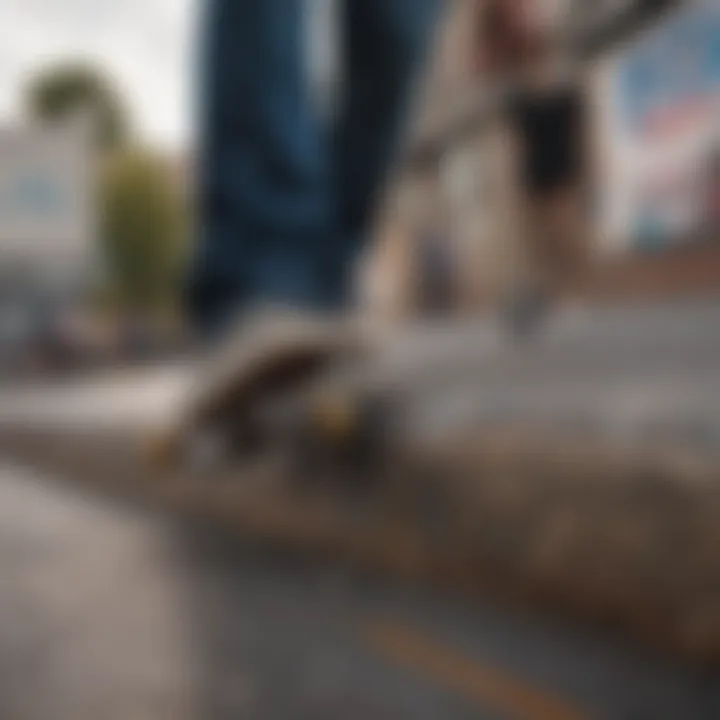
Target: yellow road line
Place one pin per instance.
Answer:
(485, 686)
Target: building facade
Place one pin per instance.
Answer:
(651, 72)
(46, 199)
(47, 220)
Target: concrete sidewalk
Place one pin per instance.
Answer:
(619, 372)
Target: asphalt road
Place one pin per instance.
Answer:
(625, 372)
(107, 612)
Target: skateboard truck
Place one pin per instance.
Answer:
(246, 401)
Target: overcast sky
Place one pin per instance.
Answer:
(147, 45)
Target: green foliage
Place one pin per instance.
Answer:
(61, 91)
(142, 212)
(143, 232)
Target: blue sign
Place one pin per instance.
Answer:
(33, 195)
(672, 69)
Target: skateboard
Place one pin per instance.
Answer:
(281, 381)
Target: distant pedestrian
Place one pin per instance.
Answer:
(545, 113)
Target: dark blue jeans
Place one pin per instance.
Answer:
(285, 199)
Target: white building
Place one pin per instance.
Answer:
(46, 206)
(47, 218)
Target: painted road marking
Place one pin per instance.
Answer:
(485, 686)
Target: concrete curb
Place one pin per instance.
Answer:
(626, 538)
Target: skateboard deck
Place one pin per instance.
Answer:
(269, 360)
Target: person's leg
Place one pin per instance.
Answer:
(263, 199)
(386, 41)
(567, 218)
